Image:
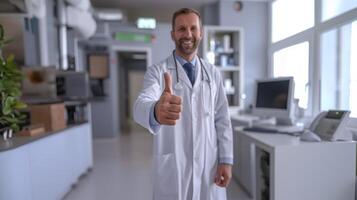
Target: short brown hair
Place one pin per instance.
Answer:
(184, 11)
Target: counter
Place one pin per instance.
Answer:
(46, 166)
(15, 141)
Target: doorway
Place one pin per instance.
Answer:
(132, 66)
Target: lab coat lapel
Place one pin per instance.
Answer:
(181, 72)
(198, 79)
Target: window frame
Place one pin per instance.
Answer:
(313, 37)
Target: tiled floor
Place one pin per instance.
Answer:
(122, 171)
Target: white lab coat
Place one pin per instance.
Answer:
(186, 155)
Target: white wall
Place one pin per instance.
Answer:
(253, 18)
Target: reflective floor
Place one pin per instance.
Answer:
(122, 171)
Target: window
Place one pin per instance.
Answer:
(336, 7)
(291, 17)
(338, 69)
(353, 74)
(318, 53)
(328, 70)
(294, 61)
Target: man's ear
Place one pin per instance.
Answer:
(172, 35)
(201, 32)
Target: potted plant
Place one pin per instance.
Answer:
(10, 92)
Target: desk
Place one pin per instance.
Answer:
(281, 167)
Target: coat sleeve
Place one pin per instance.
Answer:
(148, 96)
(223, 123)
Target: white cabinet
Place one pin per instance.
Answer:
(223, 47)
(46, 168)
(282, 167)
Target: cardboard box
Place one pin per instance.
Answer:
(98, 66)
(52, 116)
(32, 130)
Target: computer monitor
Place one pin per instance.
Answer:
(274, 98)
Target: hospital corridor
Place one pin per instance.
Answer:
(122, 170)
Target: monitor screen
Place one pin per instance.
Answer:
(272, 94)
(274, 98)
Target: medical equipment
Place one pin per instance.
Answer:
(331, 125)
(179, 88)
(309, 136)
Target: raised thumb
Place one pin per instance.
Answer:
(168, 83)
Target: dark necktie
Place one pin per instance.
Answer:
(190, 73)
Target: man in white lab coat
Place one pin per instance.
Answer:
(183, 104)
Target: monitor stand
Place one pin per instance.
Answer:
(284, 121)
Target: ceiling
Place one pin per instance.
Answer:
(158, 4)
(160, 9)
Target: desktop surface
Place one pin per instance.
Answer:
(259, 124)
(274, 140)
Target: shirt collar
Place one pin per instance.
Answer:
(182, 61)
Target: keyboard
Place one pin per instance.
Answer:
(261, 129)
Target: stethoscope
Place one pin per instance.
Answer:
(178, 86)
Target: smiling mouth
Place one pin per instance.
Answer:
(187, 43)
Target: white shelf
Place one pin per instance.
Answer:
(228, 68)
(223, 47)
(231, 51)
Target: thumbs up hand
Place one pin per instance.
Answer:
(168, 108)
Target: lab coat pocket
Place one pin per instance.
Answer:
(166, 184)
(215, 192)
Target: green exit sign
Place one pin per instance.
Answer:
(133, 37)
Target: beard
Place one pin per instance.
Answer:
(187, 46)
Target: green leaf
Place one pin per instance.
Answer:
(10, 119)
(2, 88)
(10, 59)
(8, 107)
(20, 105)
(15, 127)
(7, 41)
(2, 121)
(22, 117)
(10, 89)
(15, 92)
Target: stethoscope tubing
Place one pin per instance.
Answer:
(203, 68)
